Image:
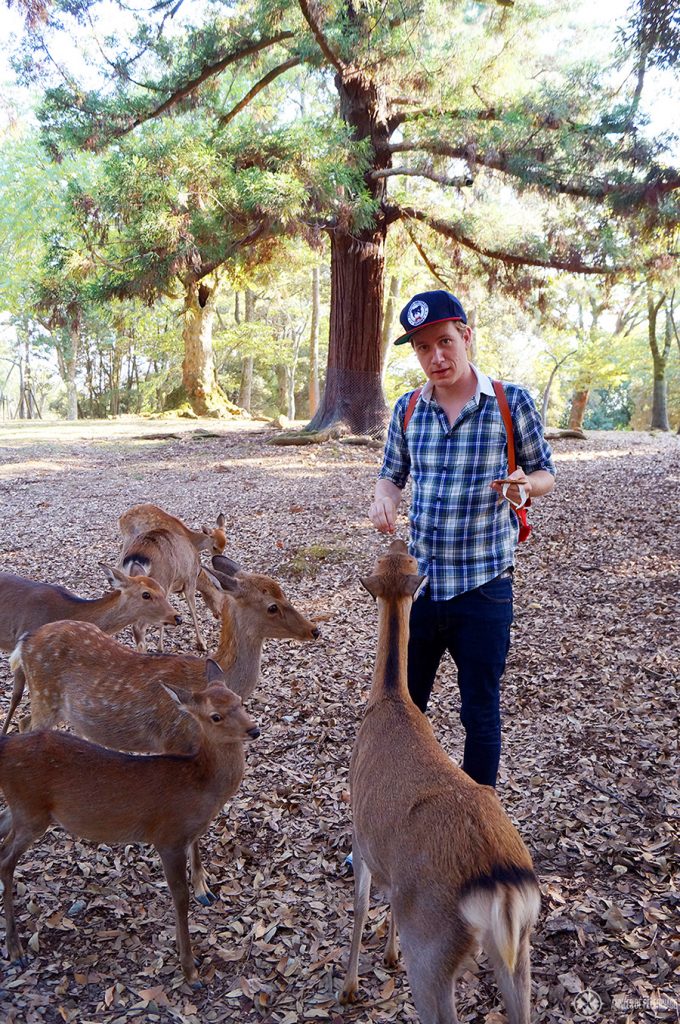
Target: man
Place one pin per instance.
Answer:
(462, 521)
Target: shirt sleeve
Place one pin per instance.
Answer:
(532, 451)
(396, 460)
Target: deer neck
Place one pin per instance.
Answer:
(239, 651)
(106, 611)
(389, 674)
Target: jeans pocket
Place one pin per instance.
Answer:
(497, 591)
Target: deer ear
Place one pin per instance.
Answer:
(182, 698)
(229, 584)
(415, 585)
(220, 520)
(214, 674)
(115, 577)
(225, 565)
(373, 584)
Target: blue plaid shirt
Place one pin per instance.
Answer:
(460, 535)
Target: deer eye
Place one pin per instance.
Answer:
(216, 718)
(273, 609)
(146, 595)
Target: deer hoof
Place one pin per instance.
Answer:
(206, 898)
(348, 995)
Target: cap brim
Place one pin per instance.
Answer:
(403, 338)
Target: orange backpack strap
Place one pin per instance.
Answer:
(507, 422)
(410, 407)
(525, 527)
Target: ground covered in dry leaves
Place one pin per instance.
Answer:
(589, 758)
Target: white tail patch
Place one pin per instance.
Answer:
(15, 656)
(498, 916)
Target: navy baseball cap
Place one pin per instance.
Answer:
(429, 308)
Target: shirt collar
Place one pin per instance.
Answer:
(484, 386)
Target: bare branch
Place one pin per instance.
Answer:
(424, 257)
(258, 87)
(322, 42)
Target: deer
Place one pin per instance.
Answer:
(454, 868)
(167, 800)
(27, 604)
(114, 695)
(159, 545)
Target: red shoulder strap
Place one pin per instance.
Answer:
(507, 421)
(411, 406)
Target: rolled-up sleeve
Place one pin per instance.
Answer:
(531, 448)
(396, 460)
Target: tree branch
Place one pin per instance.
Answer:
(209, 71)
(258, 87)
(322, 42)
(640, 193)
(422, 172)
(574, 264)
(424, 257)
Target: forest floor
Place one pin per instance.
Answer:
(589, 762)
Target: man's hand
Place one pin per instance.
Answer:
(383, 514)
(516, 488)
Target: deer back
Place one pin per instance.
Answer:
(27, 604)
(110, 797)
(108, 693)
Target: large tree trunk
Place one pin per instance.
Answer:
(313, 380)
(198, 369)
(353, 393)
(67, 357)
(578, 409)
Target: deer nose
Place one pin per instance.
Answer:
(178, 620)
(316, 632)
(254, 732)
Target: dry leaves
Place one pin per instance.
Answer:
(588, 771)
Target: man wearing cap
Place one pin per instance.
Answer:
(463, 529)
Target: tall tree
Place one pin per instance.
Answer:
(452, 95)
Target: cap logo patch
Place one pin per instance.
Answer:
(417, 312)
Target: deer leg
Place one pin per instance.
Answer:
(434, 949)
(199, 876)
(20, 838)
(391, 949)
(17, 693)
(190, 595)
(515, 986)
(174, 861)
(362, 892)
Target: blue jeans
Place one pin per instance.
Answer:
(474, 628)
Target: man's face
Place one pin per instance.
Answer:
(442, 351)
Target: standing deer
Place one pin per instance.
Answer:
(113, 695)
(455, 869)
(159, 545)
(109, 797)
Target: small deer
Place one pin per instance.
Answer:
(109, 797)
(159, 545)
(115, 696)
(27, 604)
(454, 867)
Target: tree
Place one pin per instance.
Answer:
(468, 113)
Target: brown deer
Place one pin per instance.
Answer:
(113, 695)
(159, 545)
(27, 604)
(455, 869)
(109, 797)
